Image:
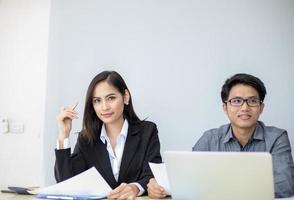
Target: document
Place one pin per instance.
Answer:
(160, 174)
(87, 185)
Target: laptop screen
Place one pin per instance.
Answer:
(220, 175)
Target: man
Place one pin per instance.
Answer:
(243, 97)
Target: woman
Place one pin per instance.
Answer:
(113, 139)
(155, 191)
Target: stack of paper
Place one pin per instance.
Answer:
(87, 185)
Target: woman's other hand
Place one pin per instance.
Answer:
(155, 191)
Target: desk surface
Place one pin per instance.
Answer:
(9, 196)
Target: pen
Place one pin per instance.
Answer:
(75, 105)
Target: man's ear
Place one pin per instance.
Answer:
(225, 108)
(126, 97)
(261, 107)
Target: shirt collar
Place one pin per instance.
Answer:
(229, 135)
(123, 133)
(257, 135)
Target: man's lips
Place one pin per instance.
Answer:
(244, 116)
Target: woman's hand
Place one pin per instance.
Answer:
(124, 191)
(155, 191)
(64, 119)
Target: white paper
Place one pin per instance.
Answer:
(160, 174)
(289, 198)
(89, 183)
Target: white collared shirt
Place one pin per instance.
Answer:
(116, 155)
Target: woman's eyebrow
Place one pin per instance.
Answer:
(110, 94)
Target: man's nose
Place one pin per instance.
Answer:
(245, 105)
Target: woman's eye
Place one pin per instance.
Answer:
(96, 100)
(111, 98)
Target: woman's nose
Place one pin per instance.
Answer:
(104, 105)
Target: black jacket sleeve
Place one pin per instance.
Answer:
(67, 164)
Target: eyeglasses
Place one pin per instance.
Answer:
(238, 101)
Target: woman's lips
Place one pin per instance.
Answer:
(106, 115)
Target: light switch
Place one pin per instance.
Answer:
(16, 128)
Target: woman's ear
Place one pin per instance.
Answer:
(126, 97)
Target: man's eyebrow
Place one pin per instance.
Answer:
(234, 97)
(245, 97)
(253, 97)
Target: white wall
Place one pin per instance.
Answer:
(24, 28)
(175, 56)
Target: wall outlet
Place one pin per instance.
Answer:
(4, 125)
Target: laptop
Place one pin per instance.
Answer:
(220, 175)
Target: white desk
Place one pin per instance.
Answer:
(11, 196)
(8, 196)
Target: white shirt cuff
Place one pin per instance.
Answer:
(141, 189)
(65, 144)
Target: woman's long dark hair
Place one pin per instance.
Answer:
(91, 122)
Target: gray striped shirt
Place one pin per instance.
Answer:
(264, 139)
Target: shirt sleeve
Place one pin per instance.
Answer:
(65, 144)
(283, 167)
(141, 189)
(203, 143)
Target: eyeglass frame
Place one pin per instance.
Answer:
(244, 100)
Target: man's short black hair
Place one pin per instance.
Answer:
(245, 79)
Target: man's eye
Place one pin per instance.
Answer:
(236, 100)
(254, 100)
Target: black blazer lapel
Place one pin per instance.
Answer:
(103, 164)
(131, 145)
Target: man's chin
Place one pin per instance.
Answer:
(246, 125)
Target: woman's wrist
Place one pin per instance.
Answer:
(62, 144)
(135, 188)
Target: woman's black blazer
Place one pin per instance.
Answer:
(142, 146)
